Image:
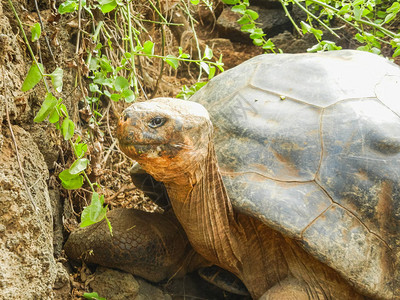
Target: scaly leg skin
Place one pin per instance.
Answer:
(150, 245)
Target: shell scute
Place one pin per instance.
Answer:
(322, 79)
(341, 240)
(286, 206)
(360, 162)
(265, 136)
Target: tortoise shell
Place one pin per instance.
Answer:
(310, 145)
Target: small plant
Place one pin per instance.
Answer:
(371, 19)
(248, 23)
(55, 111)
(115, 80)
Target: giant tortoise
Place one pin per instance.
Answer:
(296, 189)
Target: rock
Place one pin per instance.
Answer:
(148, 291)
(117, 285)
(27, 266)
(62, 285)
(114, 285)
(218, 43)
(273, 21)
(290, 44)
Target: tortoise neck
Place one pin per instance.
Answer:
(205, 211)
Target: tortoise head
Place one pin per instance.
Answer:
(167, 137)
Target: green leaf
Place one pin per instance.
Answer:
(172, 61)
(309, 29)
(269, 45)
(305, 27)
(195, 2)
(54, 116)
(129, 95)
(315, 48)
(231, 2)
(186, 92)
(208, 53)
(57, 79)
(33, 77)
(79, 165)
(357, 13)
(70, 181)
(345, 9)
(105, 64)
(148, 47)
(67, 129)
(395, 8)
(257, 33)
(68, 6)
(121, 83)
(95, 212)
(115, 97)
(181, 54)
(244, 20)
(212, 72)
(396, 52)
(375, 50)
(359, 38)
(258, 42)
(94, 64)
(253, 14)
(107, 5)
(80, 149)
(239, 8)
(107, 93)
(35, 32)
(205, 67)
(93, 296)
(94, 88)
(64, 110)
(381, 14)
(248, 27)
(103, 80)
(364, 48)
(389, 17)
(47, 108)
(357, 2)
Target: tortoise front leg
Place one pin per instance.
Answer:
(150, 245)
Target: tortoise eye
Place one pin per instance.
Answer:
(157, 122)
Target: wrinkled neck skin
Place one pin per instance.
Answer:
(261, 257)
(202, 206)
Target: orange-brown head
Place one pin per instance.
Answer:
(167, 137)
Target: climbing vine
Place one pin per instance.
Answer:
(114, 79)
(370, 19)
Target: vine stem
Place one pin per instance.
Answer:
(316, 18)
(135, 84)
(27, 44)
(377, 26)
(28, 191)
(287, 13)
(194, 35)
(94, 38)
